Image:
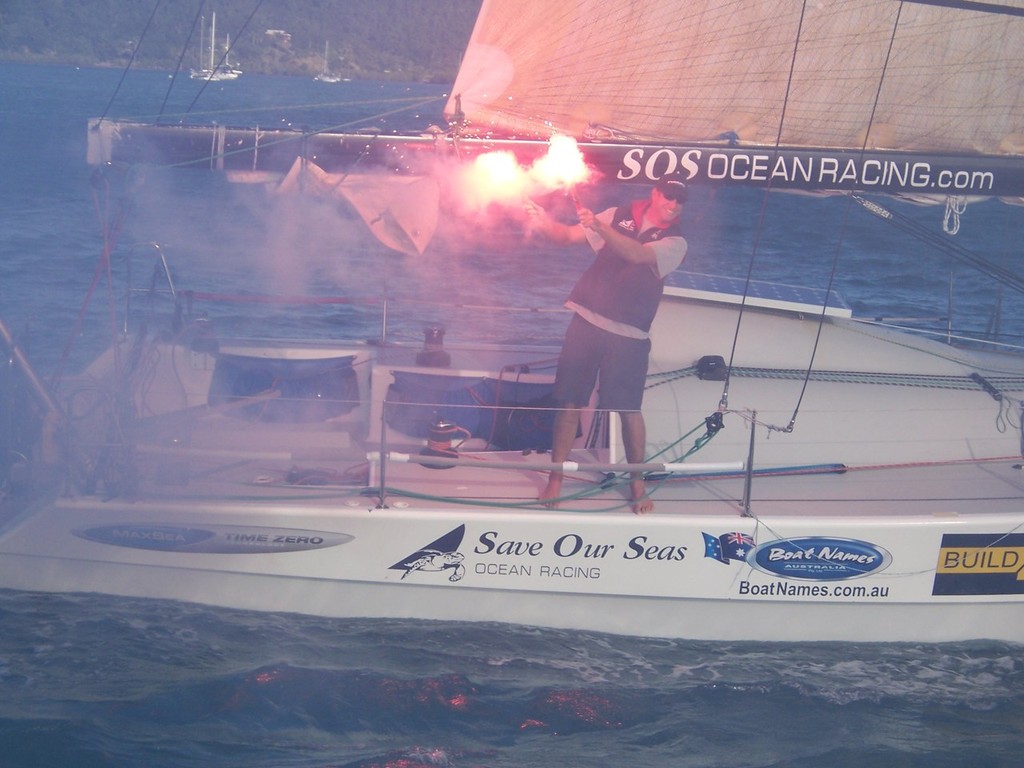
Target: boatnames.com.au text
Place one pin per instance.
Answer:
(793, 589)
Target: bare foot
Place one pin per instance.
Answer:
(549, 496)
(642, 503)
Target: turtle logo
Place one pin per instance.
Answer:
(440, 555)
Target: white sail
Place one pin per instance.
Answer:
(868, 73)
(400, 211)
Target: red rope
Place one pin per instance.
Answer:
(111, 232)
(263, 299)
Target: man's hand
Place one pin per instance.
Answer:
(587, 218)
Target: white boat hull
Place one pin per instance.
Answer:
(891, 513)
(648, 577)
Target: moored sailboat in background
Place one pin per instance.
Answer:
(325, 75)
(214, 70)
(816, 476)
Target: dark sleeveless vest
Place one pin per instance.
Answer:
(618, 289)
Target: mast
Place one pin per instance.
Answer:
(213, 38)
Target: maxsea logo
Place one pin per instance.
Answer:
(212, 539)
(980, 564)
(819, 558)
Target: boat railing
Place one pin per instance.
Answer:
(940, 329)
(382, 319)
(329, 446)
(160, 268)
(385, 318)
(448, 445)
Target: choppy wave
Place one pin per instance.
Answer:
(163, 683)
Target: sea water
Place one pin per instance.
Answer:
(90, 680)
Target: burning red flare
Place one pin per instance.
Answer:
(562, 167)
(497, 177)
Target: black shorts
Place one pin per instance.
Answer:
(590, 353)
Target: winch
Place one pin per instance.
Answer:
(439, 441)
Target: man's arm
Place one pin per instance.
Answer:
(623, 246)
(540, 221)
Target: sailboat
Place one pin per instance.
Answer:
(325, 75)
(214, 70)
(848, 480)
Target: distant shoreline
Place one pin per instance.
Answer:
(37, 60)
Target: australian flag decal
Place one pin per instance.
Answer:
(728, 546)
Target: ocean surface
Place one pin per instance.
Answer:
(97, 681)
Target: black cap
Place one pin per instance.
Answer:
(672, 186)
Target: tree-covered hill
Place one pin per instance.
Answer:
(399, 39)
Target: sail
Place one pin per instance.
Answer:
(874, 74)
(918, 99)
(400, 211)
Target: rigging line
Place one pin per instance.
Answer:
(294, 136)
(111, 225)
(724, 399)
(843, 229)
(723, 402)
(971, 5)
(131, 61)
(181, 58)
(406, 103)
(956, 251)
(410, 102)
(223, 57)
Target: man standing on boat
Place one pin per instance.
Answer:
(614, 303)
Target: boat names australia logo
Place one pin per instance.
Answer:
(212, 539)
(819, 558)
(814, 558)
